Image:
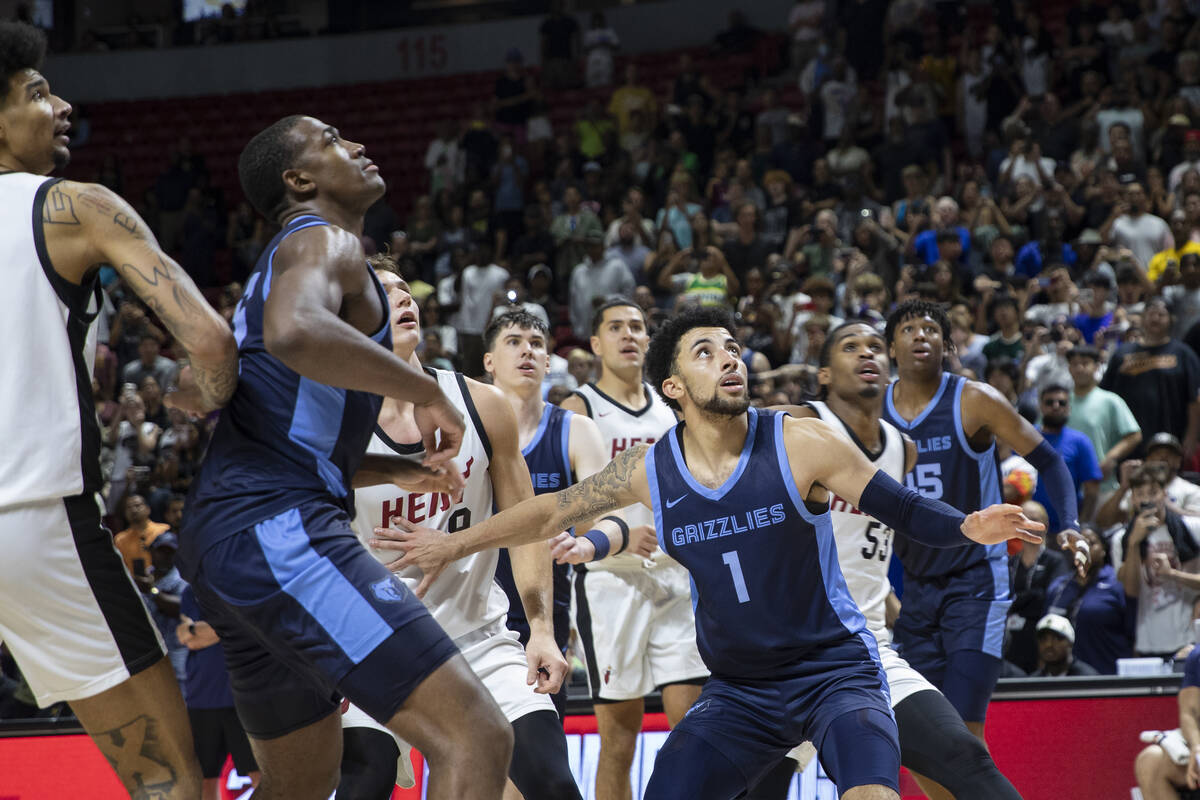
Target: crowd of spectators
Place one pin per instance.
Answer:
(1043, 183)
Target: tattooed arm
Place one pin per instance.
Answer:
(622, 483)
(87, 225)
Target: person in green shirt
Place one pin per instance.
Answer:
(1101, 416)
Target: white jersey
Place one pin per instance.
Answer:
(864, 543)
(622, 428)
(465, 597)
(47, 419)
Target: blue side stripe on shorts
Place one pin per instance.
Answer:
(319, 587)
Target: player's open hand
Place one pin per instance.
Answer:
(414, 477)
(547, 667)
(427, 549)
(1073, 544)
(999, 523)
(441, 429)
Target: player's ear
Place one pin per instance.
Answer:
(595, 343)
(487, 363)
(298, 182)
(823, 376)
(672, 387)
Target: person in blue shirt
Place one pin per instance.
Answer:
(1158, 775)
(305, 614)
(740, 498)
(1095, 603)
(1051, 249)
(1077, 452)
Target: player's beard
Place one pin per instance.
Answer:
(719, 405)
(62, 157)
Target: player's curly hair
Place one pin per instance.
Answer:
(22, 47)
(664, 345)
(916, 309)
(263, 162)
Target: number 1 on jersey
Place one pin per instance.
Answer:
(739, 582)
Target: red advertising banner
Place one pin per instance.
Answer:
(1049, 749)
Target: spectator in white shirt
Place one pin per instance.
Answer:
(1131, 225)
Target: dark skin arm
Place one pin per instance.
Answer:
(87, 225)
(987, 415)
(322, 299)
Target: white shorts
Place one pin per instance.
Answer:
(636, 629)
(498, 660)
(69, 610)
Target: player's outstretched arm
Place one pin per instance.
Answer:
(315, 270)
(819, 456)
(609, 535)
(531, 565)
(621, 483)
(93, 225)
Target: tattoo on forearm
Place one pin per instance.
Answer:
(158, 272)
(594, 496)
(59, 210)
(137, 755)
(217, 385)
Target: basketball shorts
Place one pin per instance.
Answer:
(903, 681)
(306, 616)
(951, 630)
(836, 698)
(498, 660)
(636, 629)
(70, 612)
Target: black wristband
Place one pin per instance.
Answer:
(620, 523)
(192, 628)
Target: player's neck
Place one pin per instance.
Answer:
(529, 407)
(916, 387)
(861, 415)
(624, 386)
(345, 218)
(713, 444)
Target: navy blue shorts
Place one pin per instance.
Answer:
(739, 729)
(951, 630)
(306, 616)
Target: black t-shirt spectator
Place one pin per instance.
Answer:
(929, 140)
(1058, 140)
(507, 87)
(1028, 586)
(744, 255)
(777, 221)
(1157, 383)
(559, 32)
(862, 21)
(891, 158)
(701, 140)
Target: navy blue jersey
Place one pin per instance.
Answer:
(283, 439)
(548, 457)
(766, 585)
(950, 470)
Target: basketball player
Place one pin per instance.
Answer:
(934, 741)
(470, 606)
(560, 447)
(951, 624)
(69, 610)
(740, 498)
(305, 614)
(634, 615)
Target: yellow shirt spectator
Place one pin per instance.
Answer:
(1164, 258)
